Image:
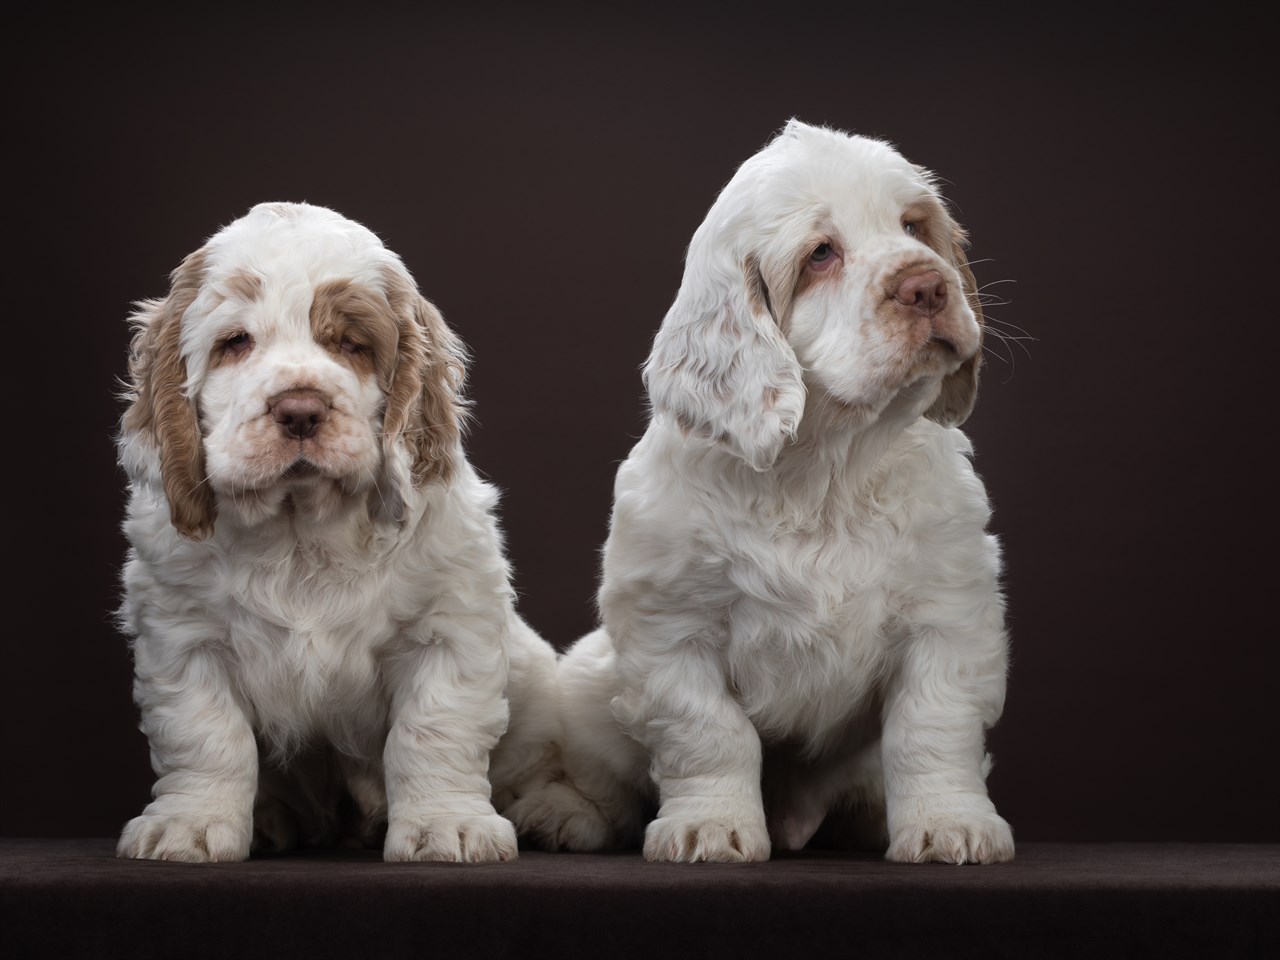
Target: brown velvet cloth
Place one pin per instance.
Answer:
(72, 898)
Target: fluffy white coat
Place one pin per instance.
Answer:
(323, 627)
(801, 611)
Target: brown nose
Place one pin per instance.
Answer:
(924, 292)
(299, 413)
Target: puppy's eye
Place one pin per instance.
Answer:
(350, 346)
(911, 229)
(823, 256)
(237, 343)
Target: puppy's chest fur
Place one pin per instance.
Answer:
(307, 633)
(815, 618)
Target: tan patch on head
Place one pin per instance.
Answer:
(357, 325)
(925, 215)
(160, 410)
(425, 407)
(220, 354)
(936, 228)
(244, 286)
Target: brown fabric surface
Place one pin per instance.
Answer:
(72, 898)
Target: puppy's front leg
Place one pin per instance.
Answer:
(202, 750)
(447, 713)
(950, 687)
(705, 756)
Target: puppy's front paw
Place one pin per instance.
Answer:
(952, 836)
(189, 836)
(720, 839)
(461, 839)
(558, 817)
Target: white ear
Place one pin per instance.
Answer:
(720, 367)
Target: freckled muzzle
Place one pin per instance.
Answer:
(920, 295)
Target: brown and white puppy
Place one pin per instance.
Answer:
(322, 622)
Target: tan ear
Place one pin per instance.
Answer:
(960, 389)
(160, 413)
(425, 407)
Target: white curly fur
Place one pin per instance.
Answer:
(800, 603)
(333, 617)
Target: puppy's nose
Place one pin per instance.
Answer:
(299, 412)
(924, 292)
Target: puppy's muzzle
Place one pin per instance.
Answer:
(922, 293)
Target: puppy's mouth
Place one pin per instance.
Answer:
(301, 469)
(944, 345)
(937, 356)
(945, 350)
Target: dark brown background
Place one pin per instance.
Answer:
(541, 173)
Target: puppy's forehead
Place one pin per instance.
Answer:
(293, 244)
(262, 271)
(854, 179)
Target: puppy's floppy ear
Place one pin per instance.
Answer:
(960, 389)
(161, 426)
(425, 413)
(720, 366)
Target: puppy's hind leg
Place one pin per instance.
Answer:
(523, 759)
(593, 776)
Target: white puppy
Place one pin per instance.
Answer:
(323, 626)
(798, 589)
